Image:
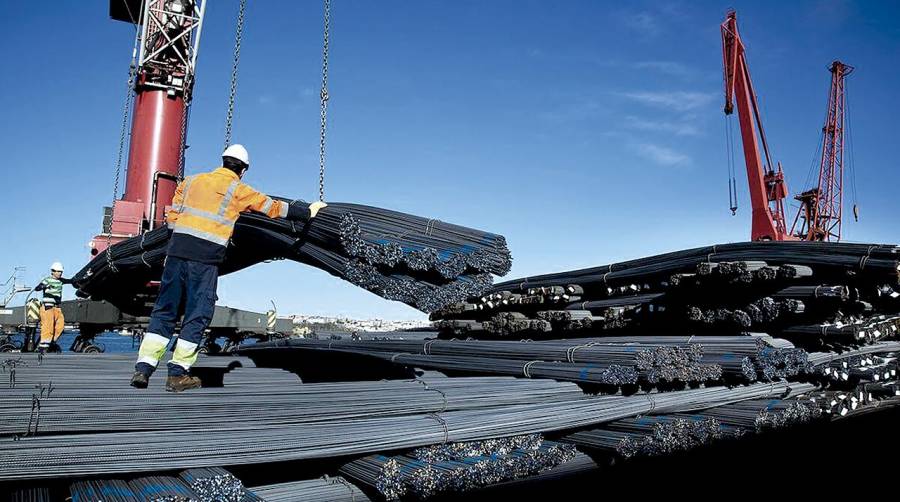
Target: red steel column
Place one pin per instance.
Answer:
(155, 147)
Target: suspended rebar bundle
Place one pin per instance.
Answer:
(423, 262)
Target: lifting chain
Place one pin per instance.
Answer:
(123, 135)
(323, 95)
(184, 123)
(239, 33)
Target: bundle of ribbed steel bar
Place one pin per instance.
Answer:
(244, 400)
(828, 259)
(32, 495)
(649, 436)
(216, 484)
(864, 398)
(108, 490)
(77, 454)
(325, 489)
(605, 361)
(402, 475)
(813, 293)
(423, 262)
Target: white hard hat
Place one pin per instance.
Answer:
(56, 267)
(238, 152)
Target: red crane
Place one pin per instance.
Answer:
(821, 207)
(819, 216)
(767, 186)
(167, 41)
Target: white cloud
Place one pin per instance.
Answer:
(677, 101)
(666, 67)
(644, 23)
(677, 128)
(661, 155)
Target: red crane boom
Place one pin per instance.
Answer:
(767, 186)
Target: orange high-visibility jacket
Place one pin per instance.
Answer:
(207, 205)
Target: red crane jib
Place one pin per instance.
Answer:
(767, 186)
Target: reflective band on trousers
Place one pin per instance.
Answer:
(185, 354)
(183, 229)
(153, 348)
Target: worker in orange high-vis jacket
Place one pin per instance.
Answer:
(204, 211)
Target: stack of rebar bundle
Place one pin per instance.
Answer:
(813, 293)
(607, 361)
(425, 263)
(85, 428)
(666, 434)
(457, 467)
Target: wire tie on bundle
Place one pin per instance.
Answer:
(440, 420)
(570, 352)
(443, 395)
(144, 260)
(341, 481)
(426, 349)
(12, 378)
(527, 368)
(394, 357)
(652, 403)
(34, 417)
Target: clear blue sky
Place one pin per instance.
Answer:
(583, 131)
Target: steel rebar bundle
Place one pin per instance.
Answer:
(423, 262)
(653, 363)
(162, 489)
(225, 443)
(216, 485)
(30, 495)
(325, 489)
(649, 436)
(93, 398)
(111, 490)
(779, 287)
(395, 477)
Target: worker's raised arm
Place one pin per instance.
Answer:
(248, 199)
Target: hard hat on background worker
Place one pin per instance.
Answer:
(236, 158)
(56, 267)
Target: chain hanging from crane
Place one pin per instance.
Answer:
(123, 132)
(729, 154)
(238, 36)
(323, 95)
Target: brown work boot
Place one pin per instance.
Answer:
(182, 382)
(139, 380)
